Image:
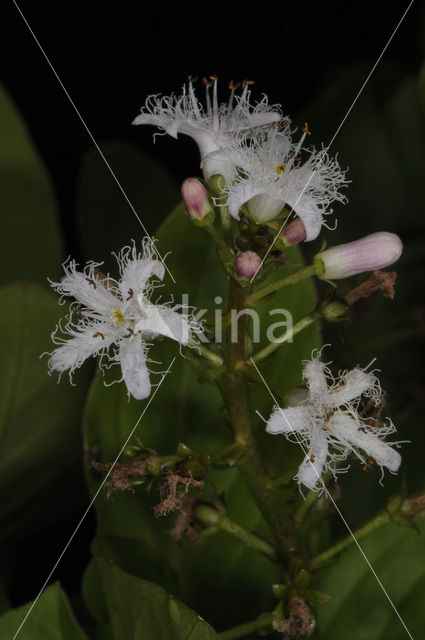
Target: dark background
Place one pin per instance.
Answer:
(110, 57)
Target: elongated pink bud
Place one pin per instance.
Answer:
(195, 197)
(294, 233)
(246, 264)
(370, 253)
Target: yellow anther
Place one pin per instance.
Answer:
(247, 82)
(192, 78)
(213, 78)
(119, 316)
(281, 168)
(305, 129)
(206, 83)
(313, 147)
(98, 335)
(234, 85)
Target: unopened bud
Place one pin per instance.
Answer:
(370, 253)
(247, 264)
(333, 311)
(195, 197)
(294, 233)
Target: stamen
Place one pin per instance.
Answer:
(98, 335)
(368, 465)
(92, 282)
(281, 168)
(130, 295)
(216, 123)
(207, 94)
(232, 87)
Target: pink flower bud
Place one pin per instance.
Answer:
(294, 233)
(247, 264)
(370, 253)
(195, 197)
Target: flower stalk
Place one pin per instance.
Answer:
(216, 520)
(287, 336)
(262, 294)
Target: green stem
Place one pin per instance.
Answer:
(212, 517)
(310, 499)
(212, 357)
(287, 336)
(270, 499)
(259, 296)
(263, 623)
(372, 525)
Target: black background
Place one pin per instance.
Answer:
(111, 56)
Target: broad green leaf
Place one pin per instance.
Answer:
(51, 618)
(140, 610)
(187, 411)
(30, 239)
(358, 605)
(40, 420)
(105, 219)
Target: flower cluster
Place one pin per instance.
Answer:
(116, 319)
(251, 148)
(329, 424)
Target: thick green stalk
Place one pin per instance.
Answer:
(286, 336)
(263, 623)
(258, 296)
(235, 391)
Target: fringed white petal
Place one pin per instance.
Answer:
(368, 440)
(288, 420)
(87, 288)
(137, 272)
(160, 320)
(135, 373)
(310, 214)
(314, 373)
(311, 469)
(85, 342)
(352, 385)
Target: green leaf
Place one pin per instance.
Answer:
(30, 239)
(50, 619)
(358, 603)
(105, 218)
(40, 420)
(140, 610)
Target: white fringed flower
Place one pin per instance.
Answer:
(212, 128)
(329, 426)
(272, 176)
(115, 319)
